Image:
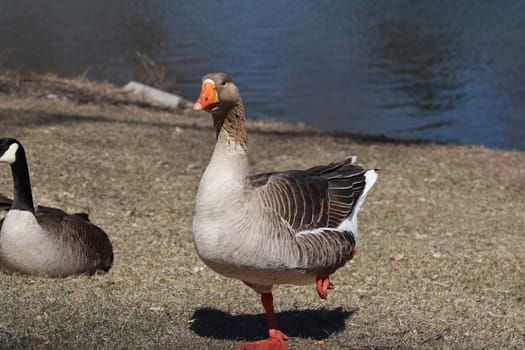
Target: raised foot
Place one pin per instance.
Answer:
(322, 285)
(276, 341)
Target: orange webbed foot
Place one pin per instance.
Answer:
(276, 341)
(322, 285)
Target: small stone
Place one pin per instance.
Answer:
(397, 257)
(198, 269)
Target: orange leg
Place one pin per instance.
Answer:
(276, 340)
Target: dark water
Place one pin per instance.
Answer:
(439, 70)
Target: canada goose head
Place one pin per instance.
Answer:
(13, 153)
(218, 94)
(9, 150)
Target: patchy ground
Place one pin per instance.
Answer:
(440, 263)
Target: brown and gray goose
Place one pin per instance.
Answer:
(46, 241)
(290, 227)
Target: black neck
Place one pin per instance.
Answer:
(23, 198)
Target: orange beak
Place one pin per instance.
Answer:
(208, 97)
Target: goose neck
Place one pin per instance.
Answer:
(23, 197)
(231, 128)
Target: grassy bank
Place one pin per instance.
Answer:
(440, 262)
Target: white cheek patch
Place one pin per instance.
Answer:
(9, 156)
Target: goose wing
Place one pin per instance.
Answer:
(76, 229)
(314, 203)
(59, 213)
(319, 197)
(93, 237)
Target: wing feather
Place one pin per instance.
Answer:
(321, 196)
(91, 242)
(324, 250)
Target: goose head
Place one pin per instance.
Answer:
(9, 150)
(218, 94)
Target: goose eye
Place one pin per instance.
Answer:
(223, 83)
(3, 147)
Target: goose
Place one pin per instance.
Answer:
(287, 227)
(46, 241)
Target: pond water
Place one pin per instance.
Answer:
(444, 71)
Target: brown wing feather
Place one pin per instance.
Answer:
(296, 196)
(325, 251)
(321, 196)
(90, 242)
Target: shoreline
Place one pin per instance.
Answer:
(83, 91)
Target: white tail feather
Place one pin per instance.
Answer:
(350, 223)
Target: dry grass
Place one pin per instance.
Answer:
(440, 263)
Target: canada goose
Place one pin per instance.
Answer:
(46, 241)
(295, 227)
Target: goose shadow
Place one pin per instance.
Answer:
(314, 324)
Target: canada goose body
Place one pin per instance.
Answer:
(46, 241)
(293, 227)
